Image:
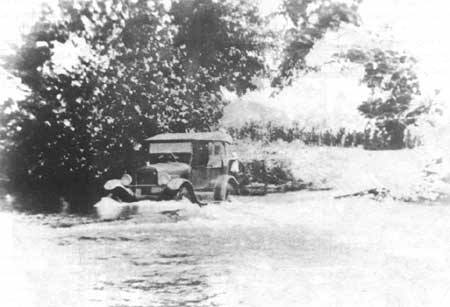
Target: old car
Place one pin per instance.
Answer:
(184, 165)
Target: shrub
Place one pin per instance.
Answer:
(271, 132)
(278, 172)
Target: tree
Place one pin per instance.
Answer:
(103, 77)
(394, 85)
(311, 19)
(225, 37)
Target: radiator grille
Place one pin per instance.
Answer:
(149, 177)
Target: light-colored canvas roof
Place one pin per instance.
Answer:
(194, 136)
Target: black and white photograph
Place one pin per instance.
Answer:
(224, 153)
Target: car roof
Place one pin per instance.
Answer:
(192, 136)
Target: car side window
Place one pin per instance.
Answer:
(216, 155)
(201, 154)
(217, 149)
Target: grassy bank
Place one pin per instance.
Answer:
(348, 170)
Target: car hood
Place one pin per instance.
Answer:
(171, 168)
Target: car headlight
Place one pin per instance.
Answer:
(126, 179)
(163, 178)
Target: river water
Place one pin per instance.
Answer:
(298, 249)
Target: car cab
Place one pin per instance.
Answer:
(184, 165)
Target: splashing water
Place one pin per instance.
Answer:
(294, 249)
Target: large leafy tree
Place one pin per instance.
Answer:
(311, 19)
(391, 77)
(224, 37)
(103, 76)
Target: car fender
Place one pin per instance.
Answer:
(226, 179)
(176, 183)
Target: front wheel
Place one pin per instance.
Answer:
(185, 192)
(121, 195)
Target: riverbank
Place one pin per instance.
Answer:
(406, 174)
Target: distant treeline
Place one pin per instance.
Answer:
(370, 138)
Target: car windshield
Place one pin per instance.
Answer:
(170, 152)
(165, 157)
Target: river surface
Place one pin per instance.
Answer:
(295, 249)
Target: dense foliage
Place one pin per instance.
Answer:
(311, 19)
(394, 85)
(389, 74)
(105, 75)
(271, 132)
(219, 37)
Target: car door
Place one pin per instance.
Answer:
(199, 173)
(208, 164)
(216, 163)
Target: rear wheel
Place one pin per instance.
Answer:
(231, 191)
(224, 191)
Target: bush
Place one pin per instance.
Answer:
(278, 172)
(271, 132)
(270, 171)
(382, 136)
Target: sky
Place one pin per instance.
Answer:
(417, 26)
